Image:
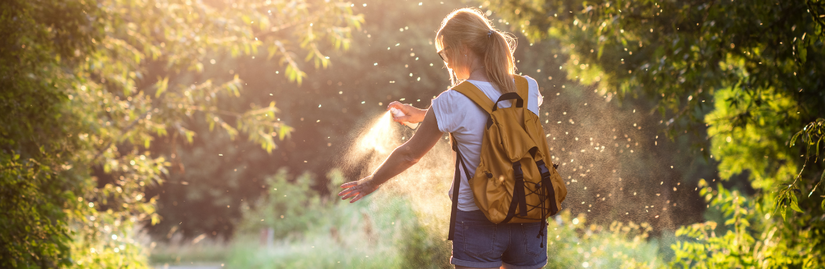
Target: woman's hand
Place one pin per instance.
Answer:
(357, 189)
(411, 114)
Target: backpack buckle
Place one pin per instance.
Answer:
(543, 169)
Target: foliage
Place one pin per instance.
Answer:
(319, 231)
(289, 206)
(574, 243)
(39, 38)
(385, 231)
(703, 248)
(750, 236)
(93, 83)
(681, 52)
(757, 62)
(208, 183)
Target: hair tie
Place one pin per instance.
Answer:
(489, 33)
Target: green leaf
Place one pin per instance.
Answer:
(284, 131)
(795, 204)
(793, 139)
(803, 52)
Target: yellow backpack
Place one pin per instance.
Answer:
(515, 181)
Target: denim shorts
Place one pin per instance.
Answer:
(481, 243)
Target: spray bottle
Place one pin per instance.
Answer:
(396, 113)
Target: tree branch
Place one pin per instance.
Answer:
(127, 129)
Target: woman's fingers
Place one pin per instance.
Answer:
(351, 194)
(355, 191)
(395, 104)
(356, 198)
(348, 188)
(406, 108)
(344, 192)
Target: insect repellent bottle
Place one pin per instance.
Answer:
(398, 113)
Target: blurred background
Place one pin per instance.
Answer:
(215, 133)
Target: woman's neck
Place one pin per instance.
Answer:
(477, 71)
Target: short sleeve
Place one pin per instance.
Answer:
(535, 94)
(535, 85)
(445, 111)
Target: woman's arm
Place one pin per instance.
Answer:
(399, 160)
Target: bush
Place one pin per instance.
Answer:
(574, 244)
(386, 231)
(287, 209)
(751, 236)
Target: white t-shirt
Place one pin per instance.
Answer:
(457, 114)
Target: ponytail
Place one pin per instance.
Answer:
(498, 60)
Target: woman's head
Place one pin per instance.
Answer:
(467, 31)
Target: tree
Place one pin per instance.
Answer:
(93, 83)
(40, 38)
(749, 71)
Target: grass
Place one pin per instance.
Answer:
(204, 251)
(385, 231)
(360, 235)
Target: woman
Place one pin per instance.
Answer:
(473, 51)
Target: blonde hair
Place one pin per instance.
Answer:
(470, 28)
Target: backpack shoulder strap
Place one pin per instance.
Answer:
(468, 89)
(522, 88)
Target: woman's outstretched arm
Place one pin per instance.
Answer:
(400, 159)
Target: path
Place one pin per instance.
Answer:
(195, 266)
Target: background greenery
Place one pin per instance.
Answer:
(748, 71)
(120, 120)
